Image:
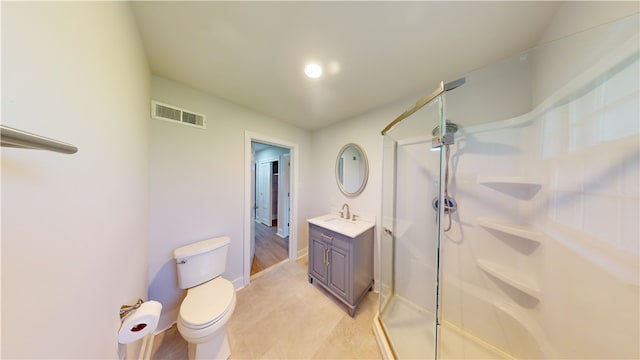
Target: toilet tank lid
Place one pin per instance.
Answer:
(200, 247)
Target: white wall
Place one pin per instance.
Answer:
(74, 227)
(576, 16)
(557, 62)
(271, 153)
(197, 183)
(363, 130)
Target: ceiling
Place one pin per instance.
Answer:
(373, 53)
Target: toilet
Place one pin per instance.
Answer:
(210, 299)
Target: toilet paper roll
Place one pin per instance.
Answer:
(140, 323)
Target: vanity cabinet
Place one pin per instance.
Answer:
(342, 265)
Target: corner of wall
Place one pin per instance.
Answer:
(576, 16)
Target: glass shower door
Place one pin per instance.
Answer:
(409, 254)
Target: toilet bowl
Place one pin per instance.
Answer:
(203, 317)
(210, 299)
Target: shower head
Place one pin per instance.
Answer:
(450, 128)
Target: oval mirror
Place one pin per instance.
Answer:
(352, 170)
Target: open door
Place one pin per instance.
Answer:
(264, 192)
(254, 205)
(284, 201)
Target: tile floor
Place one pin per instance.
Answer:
(280, 315)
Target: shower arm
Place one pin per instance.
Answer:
(424, 101)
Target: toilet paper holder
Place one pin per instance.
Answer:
(126, 309)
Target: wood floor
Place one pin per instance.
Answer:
(270, 248)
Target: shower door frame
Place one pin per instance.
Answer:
(437, 142)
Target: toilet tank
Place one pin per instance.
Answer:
(201, 261)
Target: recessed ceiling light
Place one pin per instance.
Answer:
(313, 70)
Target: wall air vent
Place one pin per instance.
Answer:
(175, 114)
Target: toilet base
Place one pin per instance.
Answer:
(216, 348)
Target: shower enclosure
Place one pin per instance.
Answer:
(510, 208)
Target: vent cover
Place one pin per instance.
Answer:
(175, 114)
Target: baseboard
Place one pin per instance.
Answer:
(238, 283)
(167, 319)
(136, 350)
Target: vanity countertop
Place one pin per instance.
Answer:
(346, 227)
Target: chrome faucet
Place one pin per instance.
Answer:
(342, 214)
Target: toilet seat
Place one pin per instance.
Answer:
(207, 303)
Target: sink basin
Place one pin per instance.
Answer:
(346, 227)
(337, 220)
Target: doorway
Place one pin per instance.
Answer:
(270, 244)
(270, 203)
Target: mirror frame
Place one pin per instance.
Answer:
(365, 178)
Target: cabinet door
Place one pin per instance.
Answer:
(318, 266)
(339, 272)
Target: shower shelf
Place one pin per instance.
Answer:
(521, 187)
(510, 277)
(520, 231)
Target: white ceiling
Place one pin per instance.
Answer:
(253, 53)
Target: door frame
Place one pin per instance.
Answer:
(293, 199)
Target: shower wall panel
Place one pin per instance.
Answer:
(416, 228)
(589, 212)
(487, 166)
(543, 257)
